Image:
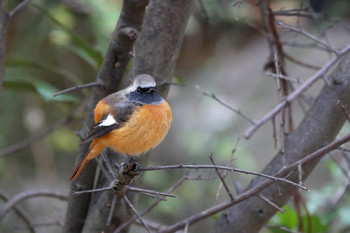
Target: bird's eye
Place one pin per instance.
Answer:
(139, 90)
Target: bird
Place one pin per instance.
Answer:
(131, 121)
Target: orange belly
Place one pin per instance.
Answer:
(145, 129)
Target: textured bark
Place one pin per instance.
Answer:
(319, 127)
(158, 47)
(110, 76)
(155, 52)
(4, 21)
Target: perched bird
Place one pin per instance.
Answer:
(131, 121)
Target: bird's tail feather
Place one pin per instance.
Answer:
(92, 153)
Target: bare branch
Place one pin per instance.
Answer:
(281, 228)
(291, 79)
(271, 203)
(258, 188)
(344, 110)
(139, 190)
(111, 211)
(153, 205)
(325, 45)
(92, 84)
(309, 66)
(91, 191)
(221, 178)
(128, 188)
(20, 214)
(15, 10)
(229, 163)
(136, 213)
(29, 194)
(213, 96)
(306, 85)
(196, 167)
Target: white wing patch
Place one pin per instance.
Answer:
(108, 121)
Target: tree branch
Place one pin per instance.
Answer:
(319, 127)
(29, 194)
(20, 214)
(250, 193)
(306, 85)
(109, 76)
(19, 7)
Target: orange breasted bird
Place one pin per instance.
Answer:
(131, 121)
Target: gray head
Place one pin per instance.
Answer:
(143, 90)
(142, 81)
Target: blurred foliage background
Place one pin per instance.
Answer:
(53, 45)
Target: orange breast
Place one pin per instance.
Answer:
(145, 129)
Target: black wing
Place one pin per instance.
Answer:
(98, 131)
(120, 114)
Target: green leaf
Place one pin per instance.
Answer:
(19, 85)
(84, 56)
(317, 226)
(19, 62)
(46, 91)
(80, 42)
(289, 219)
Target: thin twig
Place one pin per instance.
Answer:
(221, 178)
(111, 211)
(228, 164)
(153, 205)
(136, 213)
(107, 162)
(311, 37)
(303, 45)
(306, 85)
(129, 188)
(186, 228)
(271, 203)
(291, 79)
(21, 214)
(139, 190)
(309, 66)
(342, 107)
(168, 83)
(233, 109)
(77, 88)
(103, 168)
(196, 167)
(15, 10)
(29, 194)
(300, 172)
(152, 225)
(282, 228)
(92, 190)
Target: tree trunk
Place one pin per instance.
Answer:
(155, 53)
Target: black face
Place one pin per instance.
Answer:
(147, 95)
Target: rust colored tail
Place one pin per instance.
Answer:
(95, 149)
